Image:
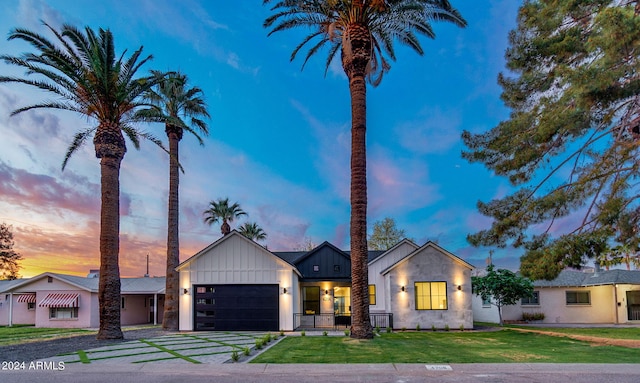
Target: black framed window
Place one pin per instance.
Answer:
(372, 294)
(431, 295)
(311, 300)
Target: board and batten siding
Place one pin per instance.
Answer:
(236, 260)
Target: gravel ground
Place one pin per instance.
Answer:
(27, 352)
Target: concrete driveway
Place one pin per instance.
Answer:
(183, 348)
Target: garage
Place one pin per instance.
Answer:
(236, 307)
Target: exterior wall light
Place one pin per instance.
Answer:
(284, 290)
(326, 292)
(459, 287)
(402, 289)
(185, 291)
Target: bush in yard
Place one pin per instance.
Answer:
(532, 316)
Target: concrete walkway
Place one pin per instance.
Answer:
(183, 348)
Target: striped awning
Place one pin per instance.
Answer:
(27, 298)
(60, 300)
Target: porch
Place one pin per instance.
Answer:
(337, 321)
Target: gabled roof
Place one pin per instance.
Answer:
(6, 285)
(83, 283)
(571, 278)
(127, 285)
(378, 254)
(320, 247)
(419, 250)
(233, 234)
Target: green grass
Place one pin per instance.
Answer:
(601, 332)
(506, 346)
(22, 334)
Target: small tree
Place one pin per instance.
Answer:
(385, 234)
(502, 287)
(8, 257)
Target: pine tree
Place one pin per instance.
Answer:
(9, 258)
(570, 145)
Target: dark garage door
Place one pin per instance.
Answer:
(236, 307)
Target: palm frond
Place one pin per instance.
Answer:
(78, 140)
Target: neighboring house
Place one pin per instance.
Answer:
(66, 301)
(611, 296)
(236, 284)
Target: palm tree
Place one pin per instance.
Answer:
(87, 76)
(252, 231)
(220, 210)
(174, 102)
(363, 31)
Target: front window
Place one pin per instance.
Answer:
(342, 300)
(431, 295)
(486, 302)
(63, 312)
(533, 300)
(311, 300)
(578, 298)
(31, 305)
(372, 294)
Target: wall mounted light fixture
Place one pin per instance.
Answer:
(402, 289)
(326, 292)
(459, 287)
(185, 291)
(284, 290)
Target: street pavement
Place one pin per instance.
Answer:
(206, 356)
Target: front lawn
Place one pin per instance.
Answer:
(505, 346)
(600, 332)
(21, 334)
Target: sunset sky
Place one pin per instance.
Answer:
(279, 142)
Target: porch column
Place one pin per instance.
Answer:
(10, 309)
(615, 302)
(155, 309)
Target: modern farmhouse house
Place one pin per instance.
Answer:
(237, 284)
(66, 301)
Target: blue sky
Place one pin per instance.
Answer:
(279, 142)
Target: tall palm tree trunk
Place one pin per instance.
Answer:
(357, 45)
(110, 148)
(170, 317)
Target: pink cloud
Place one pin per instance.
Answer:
(38, 192)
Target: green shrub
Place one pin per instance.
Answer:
(346, 332)
(377, 330)
(418, 327)
(235, 356)
(532, 316)
(403, 328)
(389, 330)
(462, 327)
(246, 351)
(433, 327)
(259, 344)
(446, 327)
(303, 333)
(324, 333)
(281, 333)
